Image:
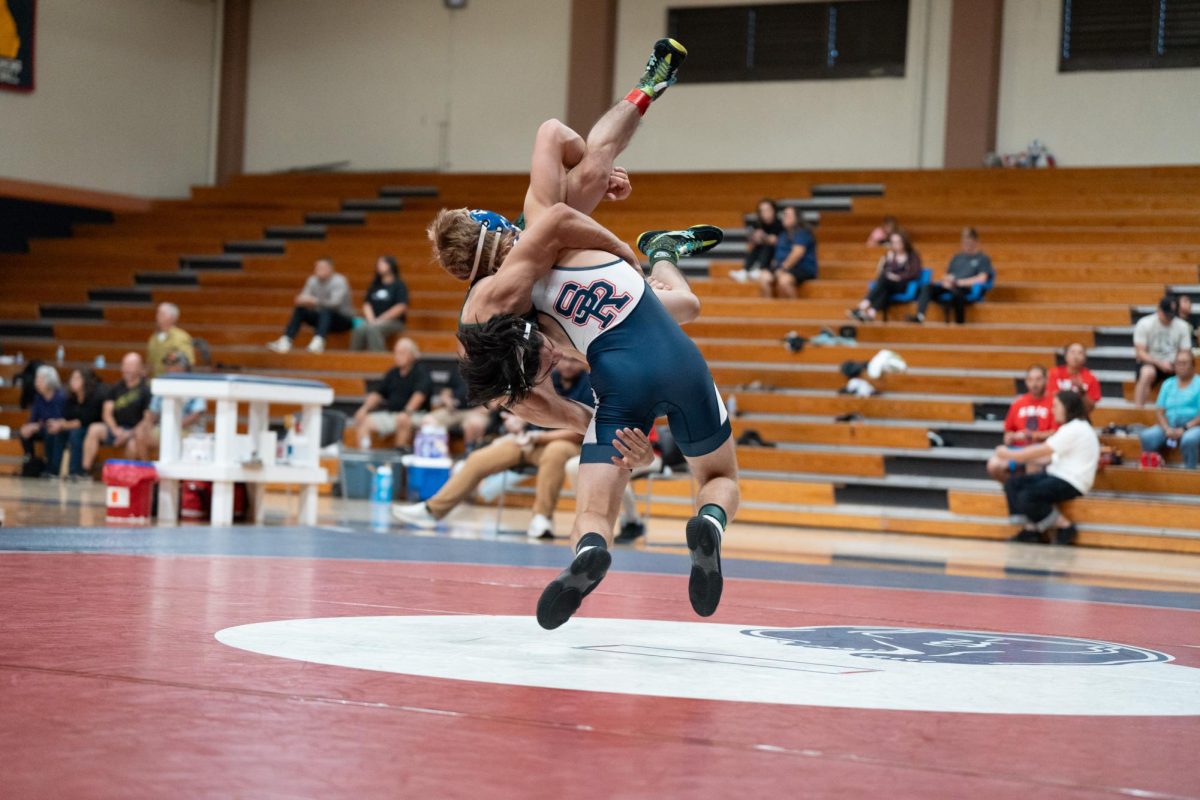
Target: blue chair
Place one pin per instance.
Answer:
(911, 291)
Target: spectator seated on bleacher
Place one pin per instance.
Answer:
(169, 337)
(324, 303)
(520, 445)
(384, 308)
(83, 407)
(760, 242)
(449, 407)
(1030, 421)
(1178, 413)
(48, 401)
(795, 257)
(882, 235)
(391, 409)
(1157, 338)
(968, 278)
(194, 408)
(898, 268)
(125, 405)
(1073, 455)
(1074, 376)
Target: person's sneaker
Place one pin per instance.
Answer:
(739, 275)
(416, 514)
(705, 583)
(673, 245)
(662, 67)
(317, 345)
(563, 596)
(281, 345)
(540, 527)
(1028, 537)
(917, 318)
(1065, 535)
(631, 532)
(854, 313)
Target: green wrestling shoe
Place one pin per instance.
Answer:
(673, 245)
(662, 67)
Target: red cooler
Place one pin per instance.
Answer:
(130, 490)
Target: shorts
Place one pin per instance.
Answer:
(384, 422)
(647, 367)
(1160, 374)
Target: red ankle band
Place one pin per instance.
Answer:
(640, 100)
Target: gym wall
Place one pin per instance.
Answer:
(122, 99)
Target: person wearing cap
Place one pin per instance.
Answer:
(1157, 338)
(148, 431)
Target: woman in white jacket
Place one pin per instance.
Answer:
(1074, 453)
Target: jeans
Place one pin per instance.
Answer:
(1034, 497)
(323, 319)
(956, 298)
(759, 257)
(1155, 439)
(63, 442)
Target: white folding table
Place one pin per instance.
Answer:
(227, 391)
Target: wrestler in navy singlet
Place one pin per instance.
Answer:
(642, 363)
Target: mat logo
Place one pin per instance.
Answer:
(598, 300)
(934, 646)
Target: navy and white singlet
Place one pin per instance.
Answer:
(642, 363)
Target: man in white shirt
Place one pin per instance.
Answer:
(1157, 338)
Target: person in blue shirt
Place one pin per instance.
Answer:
(48, 401)
(1178, 412)
(795, 257)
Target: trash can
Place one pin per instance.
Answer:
(357, 468)
(129, 490)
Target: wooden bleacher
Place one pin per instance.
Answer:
(1075, 250)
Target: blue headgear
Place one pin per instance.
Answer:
(489, 221)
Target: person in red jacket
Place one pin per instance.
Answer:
(1030, 420)
(1074, 376)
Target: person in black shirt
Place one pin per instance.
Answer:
(84, 406)
(760, 241)
(390, 409)
(384, 308)
(125, 405)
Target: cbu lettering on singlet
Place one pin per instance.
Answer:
(587, 302)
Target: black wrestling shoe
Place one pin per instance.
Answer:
(1029, 536)
(705, 583)
(563, 596)
(673, 245)
(630, 532)
(662, 67)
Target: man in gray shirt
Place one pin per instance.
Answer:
(969, 267)
(1157, 338)
(324, 303)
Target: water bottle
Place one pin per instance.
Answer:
(59, 355)
(100, 362)
(381, 484)
(731, 406)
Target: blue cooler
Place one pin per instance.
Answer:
(426, 475)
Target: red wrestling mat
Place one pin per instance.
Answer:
(113, 683)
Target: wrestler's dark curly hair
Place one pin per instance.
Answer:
(501, 359)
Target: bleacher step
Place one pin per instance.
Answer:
(71, 311)
(295, 232)
(180, 278)
(811, 216)
(838, 203)
(408, 191)
(335, 218)
(40, 330)
(256, 247)
(120, 294)
(373, 204)
(847, 189)
(211, 261)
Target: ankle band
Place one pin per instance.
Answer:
(640, 100)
